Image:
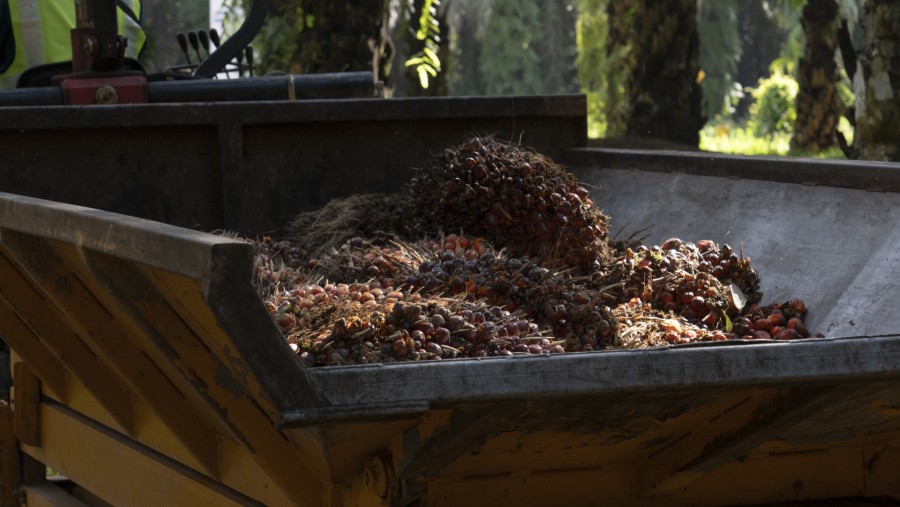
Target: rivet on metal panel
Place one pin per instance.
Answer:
(106, 94)
(377, 477)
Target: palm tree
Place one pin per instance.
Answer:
(662, 90)
(818, 106)
(877, 83)
(337, 35)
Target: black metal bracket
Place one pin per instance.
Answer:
(231, 48)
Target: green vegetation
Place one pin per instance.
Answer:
(726, 136)
(510, 62)
(592, 30)
(426, 62)
(720, 50)
(773, 109)
(548, 46)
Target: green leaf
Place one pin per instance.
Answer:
(423, 77)
(728, 325)
(433, 58)
(416, 60)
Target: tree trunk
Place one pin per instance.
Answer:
(558, 47)
(467, 72)
(818, 106)
(761, 40)
(622, 55)
(341, 35)
(877, 83)
(662, 91)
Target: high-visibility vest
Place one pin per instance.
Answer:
(42, 34)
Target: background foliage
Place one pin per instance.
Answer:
(476, 47)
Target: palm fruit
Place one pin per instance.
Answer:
(704, 283)
(518, 199)
(533, 274)
(339, 324)
(472, 270)
(553, 299)
(277, 264)
(360, 259)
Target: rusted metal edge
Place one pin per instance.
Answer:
(275, 112)
(371, 412)
(155, 244)
(454, 382)
(855, 174)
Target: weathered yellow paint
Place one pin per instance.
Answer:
(46, 494)
(239, 470)
(405, 447)
(665, 469)
(774, 478)
(24, 340)
(372, 487)
(58, 333)
(119, 342)
(881, 465)
(299, 473)
(117, 469)
(26, 396)
(888, 410)
(113, 341)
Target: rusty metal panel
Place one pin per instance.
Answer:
(248, 167)
(167, 173)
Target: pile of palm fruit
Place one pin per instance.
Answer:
(490, 250)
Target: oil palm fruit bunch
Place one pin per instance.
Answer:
(554, 300)
(778, 321)
(360, 259)
(705, 283)
(338, 324)
(277, 264)
(518, 199)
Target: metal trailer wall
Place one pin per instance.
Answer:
(249, 167)
(825, 231)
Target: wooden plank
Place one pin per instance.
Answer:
(727, 437)
(57, 332)
(10, 472)
(47, 494)
(113, 340)
(27, 389)
(28, 345)
(186, 360)
(122, 471)
(882, 469)
(229, 381)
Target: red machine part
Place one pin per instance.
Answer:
(97, 54)
(103, 89)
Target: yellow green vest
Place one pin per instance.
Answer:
(42, 32)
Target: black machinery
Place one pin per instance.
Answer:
(99, 73)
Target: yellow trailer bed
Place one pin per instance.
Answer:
(147, 371)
